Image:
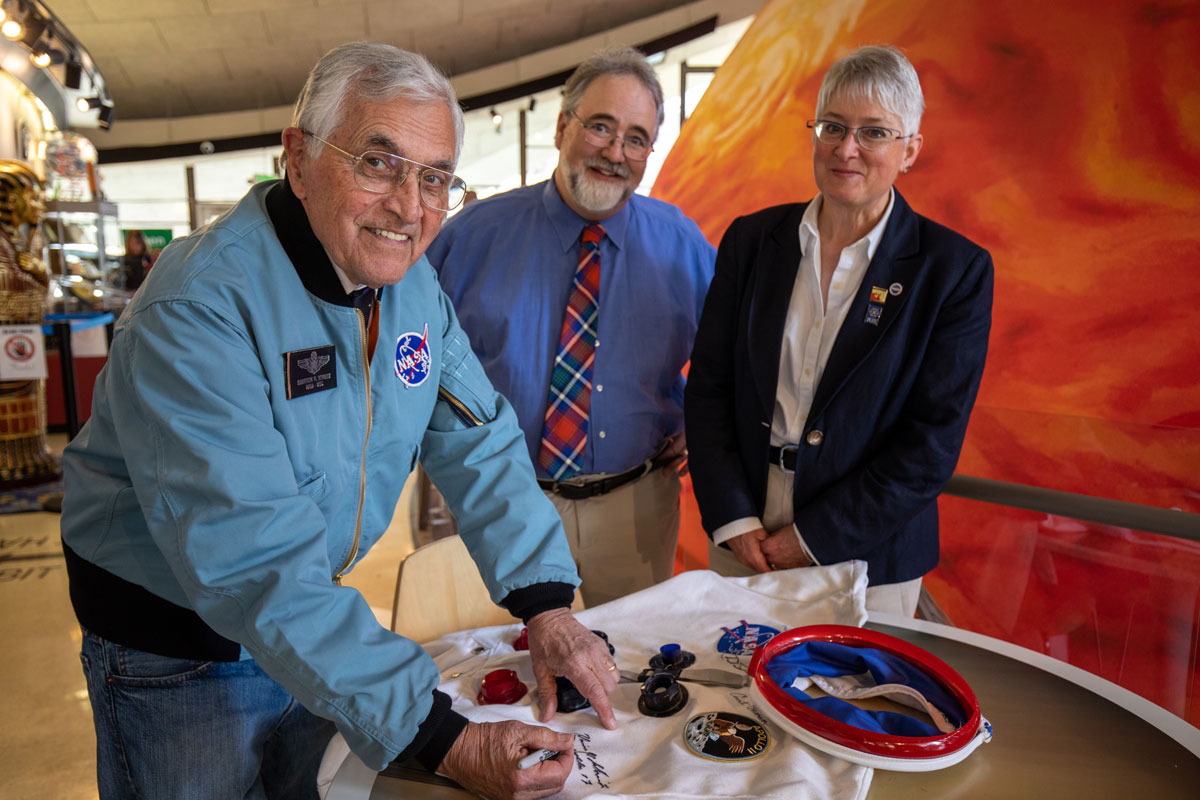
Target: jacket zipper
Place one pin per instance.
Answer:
(362, 479)
(459, 408)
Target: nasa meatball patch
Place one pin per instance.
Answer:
(412, 357)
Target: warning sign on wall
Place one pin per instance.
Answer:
(22, 353)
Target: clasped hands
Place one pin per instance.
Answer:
(484, 757)
(764, 552)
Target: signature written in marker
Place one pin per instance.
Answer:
(591, 771)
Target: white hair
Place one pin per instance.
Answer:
(880, 74)
(369, 71)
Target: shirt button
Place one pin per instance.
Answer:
(599, 387)
(814, 437)
(602, 434)
(597, 344)
(818, 324)
(808, 372)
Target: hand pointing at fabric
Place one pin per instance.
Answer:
(560, 645)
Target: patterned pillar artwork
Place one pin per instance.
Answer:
(25, 456)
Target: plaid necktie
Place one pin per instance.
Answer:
(565, 433)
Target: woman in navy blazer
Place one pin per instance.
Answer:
(838, 355)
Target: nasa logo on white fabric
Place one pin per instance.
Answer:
(745, 638)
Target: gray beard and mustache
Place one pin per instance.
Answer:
(599, 196)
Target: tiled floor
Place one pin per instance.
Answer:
(47, 744)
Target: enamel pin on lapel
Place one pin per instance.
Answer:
(875, 306)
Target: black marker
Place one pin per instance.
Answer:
(536, 757)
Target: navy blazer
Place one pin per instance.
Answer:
(892, 405)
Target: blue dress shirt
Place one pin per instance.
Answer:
(507, 263)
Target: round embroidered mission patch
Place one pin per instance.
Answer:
(724, 736)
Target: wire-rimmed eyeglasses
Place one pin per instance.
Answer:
(869, 137)
(601, 134)
(381, 172)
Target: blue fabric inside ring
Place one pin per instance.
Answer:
(832, 660)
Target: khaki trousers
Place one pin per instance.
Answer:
(891, 598)
(625, 540)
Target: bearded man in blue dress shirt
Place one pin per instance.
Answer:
(514, 266)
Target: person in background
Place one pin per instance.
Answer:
(137, 259)
(581, 299)
(839, 355)
(267, 392)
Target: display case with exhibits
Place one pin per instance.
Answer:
(84, 251)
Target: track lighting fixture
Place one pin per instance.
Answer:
(35, 26)
(73, 73)
(56, 56)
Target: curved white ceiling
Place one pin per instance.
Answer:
(182, 70)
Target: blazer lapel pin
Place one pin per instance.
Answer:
(875, 305)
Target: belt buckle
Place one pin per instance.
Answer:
(574, 491)
(783, 451)
(569, 489)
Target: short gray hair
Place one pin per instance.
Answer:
(613, 61)
(370, 71)
(880, 74)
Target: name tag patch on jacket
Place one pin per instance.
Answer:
(412, 357)
(313, 369)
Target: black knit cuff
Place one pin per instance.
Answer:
(529, 601)
(436, 735)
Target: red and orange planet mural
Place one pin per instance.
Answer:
(1065, 138)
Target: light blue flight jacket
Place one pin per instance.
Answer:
(197, 478)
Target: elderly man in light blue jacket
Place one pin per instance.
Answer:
(269, 388)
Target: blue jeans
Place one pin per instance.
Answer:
(179, 729)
